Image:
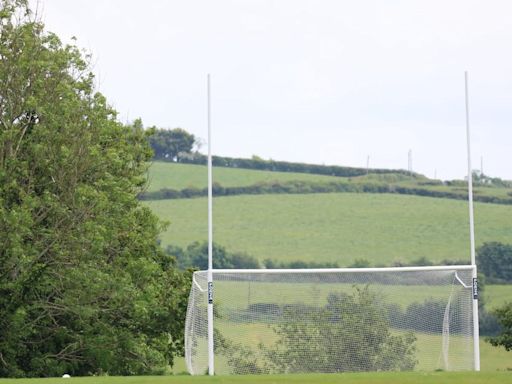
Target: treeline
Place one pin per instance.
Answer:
(285, 166)
(494, 260)
(171, 144)
(195, 256)
(176, 145)
(306, 187)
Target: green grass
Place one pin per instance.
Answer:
(345, 378)
(381, 228)
(497, 295)
(179, 176)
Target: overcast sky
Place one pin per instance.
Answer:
(314, 81)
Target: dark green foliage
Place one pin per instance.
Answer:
(488, 323)
(84, 286)
(284, 166)
(494, 260)
(423, 317)
(483, 179)
(504, 316)
(196, 256)
(303, 187)
(171, 144)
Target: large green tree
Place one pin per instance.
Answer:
(494, 260)
(84, 287)
(171, 144)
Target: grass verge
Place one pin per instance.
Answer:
(344, 378)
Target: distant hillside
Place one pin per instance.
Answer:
(172, 180)
(179, 176)
(382, 228)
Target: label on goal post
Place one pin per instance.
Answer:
(475, 288)
(210, 292)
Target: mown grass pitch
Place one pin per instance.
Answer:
(345, 378)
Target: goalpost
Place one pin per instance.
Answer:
(333, 320)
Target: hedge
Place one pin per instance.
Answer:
(305, 187)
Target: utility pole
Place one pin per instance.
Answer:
(409, 165)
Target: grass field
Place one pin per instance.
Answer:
(179, 176)
(381, 228)
(345, 378)
(492, 359)
(497, 295)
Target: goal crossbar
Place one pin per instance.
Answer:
(351, 270)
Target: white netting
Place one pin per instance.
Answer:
(332, 321)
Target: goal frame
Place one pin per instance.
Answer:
(472, 265)
(455, 268)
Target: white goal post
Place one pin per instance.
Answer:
(333, 320)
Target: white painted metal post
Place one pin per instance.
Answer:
(211, 365)
(476, 334)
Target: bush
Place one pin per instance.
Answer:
(494, 260)
(349, 333)
(196, 256)
(504, 316)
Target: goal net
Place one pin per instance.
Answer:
(332, 320)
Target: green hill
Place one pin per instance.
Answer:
(327, 227)
(382, 228)
(179, 176)
(171, 180)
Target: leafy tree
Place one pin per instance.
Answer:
(494, 260)
(84, 286)
(504, 339)
(171, 144)
(196, 256)
(350, 333)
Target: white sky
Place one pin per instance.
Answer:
(315, 81)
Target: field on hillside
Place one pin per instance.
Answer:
(179, 176)
(345, 378)
(381, 228)
(497, 295)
